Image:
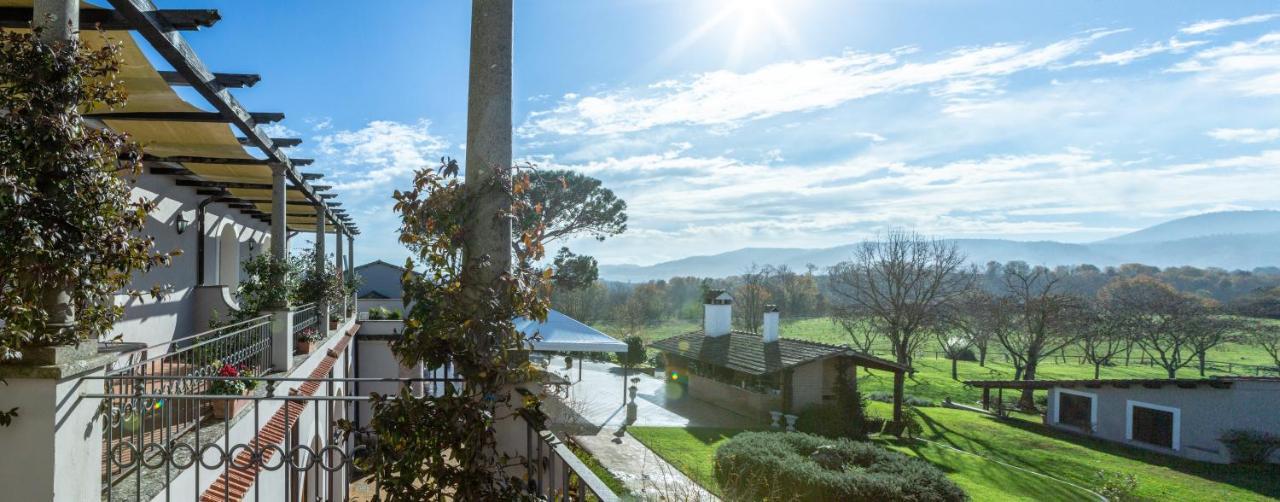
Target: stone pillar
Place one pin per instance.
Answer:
(58, 20)
(281, 339)
(54, 446)
(339, 268)
(351, 274)
(489, 136)
(279, 218)
(322, 306)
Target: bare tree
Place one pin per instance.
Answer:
(1209, 329)
(1100, 336)
(1171, 327)
(902, 284)
(982, 317)
(751, 296)
(864, 335)
(954, 345)
(1043, 318)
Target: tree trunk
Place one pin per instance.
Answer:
(1028, 400)
(1097, 370)
(953, 369)
(1173, 372)
(982, 357)
(1201, 356)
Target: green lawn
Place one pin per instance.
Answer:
(1005, 452)
(933, 381)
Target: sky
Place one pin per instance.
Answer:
(800, 123)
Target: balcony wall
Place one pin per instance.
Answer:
(149, 321)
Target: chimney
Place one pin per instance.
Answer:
(770, 326)
(717, 313)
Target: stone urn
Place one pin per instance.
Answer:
(791, 422)
(633, 391)
(774, 417)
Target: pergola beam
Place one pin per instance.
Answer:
(228, 184)
(220, 160)
(228, 80)
(110, 20)
(256, 117)
(280, 142)
(182, 57)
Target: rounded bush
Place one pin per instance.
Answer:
(798, 466)
(827, 419)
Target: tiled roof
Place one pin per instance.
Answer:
(1219, 382)
(747, 352)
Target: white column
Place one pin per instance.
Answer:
(281, 316)
(322, 306)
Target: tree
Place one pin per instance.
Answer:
(574, 271)
(70, 225)
(1043, 315)
(983, 317)
(751, 297)
(572, 203)
(954, 347)
(1171, 327)
(634, 356)
(864, 336)
(1100, 336)
(902, 284)
(1266, 336)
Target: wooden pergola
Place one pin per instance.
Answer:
(223, 154)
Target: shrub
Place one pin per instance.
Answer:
(909, 400)
(1250, 447)
(967, 355)
(1116, 487)
(378, 313)
(828, 420)
(772, 465)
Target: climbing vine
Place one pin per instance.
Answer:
(66, 214)
(433, 446)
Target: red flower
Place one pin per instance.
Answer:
(228, 371)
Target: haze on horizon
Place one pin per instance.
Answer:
(808, 123)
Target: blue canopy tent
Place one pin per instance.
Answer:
(561, 333)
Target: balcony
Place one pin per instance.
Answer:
(170, 431)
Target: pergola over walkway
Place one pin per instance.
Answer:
(247, 169)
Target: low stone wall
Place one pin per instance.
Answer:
(749, 403)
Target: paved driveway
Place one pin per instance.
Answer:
(597, 401)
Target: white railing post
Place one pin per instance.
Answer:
(53, 448)
(281, 339)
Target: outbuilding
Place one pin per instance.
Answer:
(1181, 417)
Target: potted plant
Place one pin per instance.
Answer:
(306, 338)
(242, 384)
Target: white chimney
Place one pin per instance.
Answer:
(770, 326)
(717, 313)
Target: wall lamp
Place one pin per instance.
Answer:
(181, 223)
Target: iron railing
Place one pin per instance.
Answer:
(304, 318)
(182, 366)
(282, 442)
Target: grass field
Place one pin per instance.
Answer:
(999, 460)
(933, 381)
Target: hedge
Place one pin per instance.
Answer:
(798, 466)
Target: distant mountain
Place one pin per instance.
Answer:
(1205, 225)
(1231, 240)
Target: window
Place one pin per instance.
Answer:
(1075, 410)
(1153, 424)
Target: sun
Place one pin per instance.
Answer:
(752, 22)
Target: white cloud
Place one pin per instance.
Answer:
(1246, 135)
(1251, 67)
(1173, 46)
(279, 130)
(1218, 24)
(724, 99)
(381, 151)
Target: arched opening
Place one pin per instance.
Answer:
(229, 258)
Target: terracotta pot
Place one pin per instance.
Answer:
(302, 347)
(333, 324)
(221, 409)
